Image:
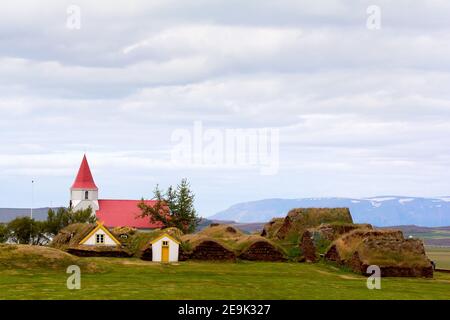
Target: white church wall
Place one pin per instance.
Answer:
(78, 194)
(82, 205)
(78, 199)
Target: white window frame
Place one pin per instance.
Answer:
(100, 238)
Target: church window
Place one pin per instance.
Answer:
(86, 195)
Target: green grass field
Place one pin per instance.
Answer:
(136, 279)
(440, 255)
(433, 234)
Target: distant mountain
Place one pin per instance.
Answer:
(379, 211)
(8, 214)
(246, 227)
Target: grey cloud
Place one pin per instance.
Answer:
(360, 112)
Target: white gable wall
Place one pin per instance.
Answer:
(157, 250)
(79, 203)
(92, 239)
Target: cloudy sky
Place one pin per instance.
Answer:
(360, 111)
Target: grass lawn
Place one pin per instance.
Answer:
(440, 255)
(136, 279)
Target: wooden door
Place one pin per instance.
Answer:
(165, 254)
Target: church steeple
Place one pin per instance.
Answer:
(84, 179)
(84, 191)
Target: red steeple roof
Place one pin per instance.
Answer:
(84, 179)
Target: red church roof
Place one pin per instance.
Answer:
(120, 213)
(84, 179)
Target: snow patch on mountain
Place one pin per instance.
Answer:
(381, 199)
(379, 211)
(403, 201)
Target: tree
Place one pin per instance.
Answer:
(159, 212)
(184, 207)
(57, 220)
(174, 208)
(4, 233)
(82, 216)
(63, 217)
(24, 230)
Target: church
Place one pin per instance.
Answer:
(112, 213)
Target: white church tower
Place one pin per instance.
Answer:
(84, 192)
